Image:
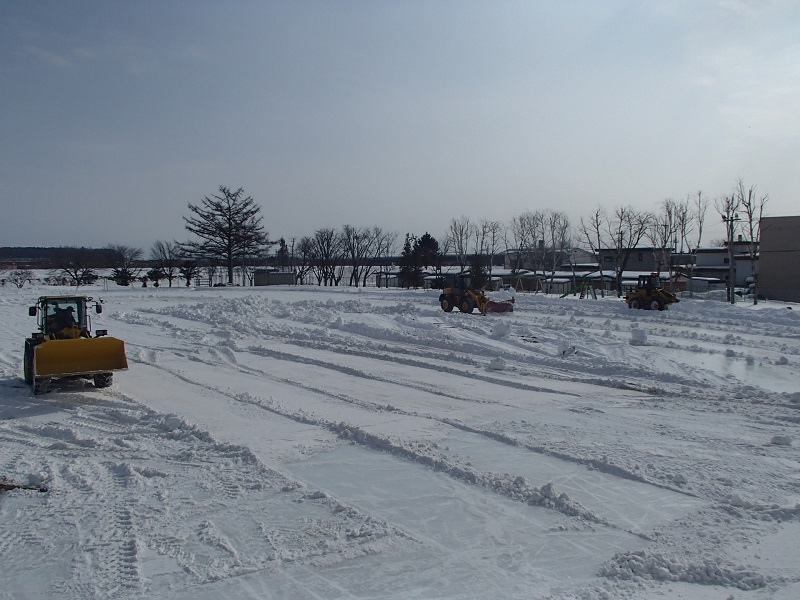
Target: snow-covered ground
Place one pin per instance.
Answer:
(309, 443)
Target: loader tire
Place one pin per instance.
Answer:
(27, 363)
(103, 380)
(466, 306)
(634, 303)
(447, 304)
(656, 304)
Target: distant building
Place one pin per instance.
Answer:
(779, 272)
(273, 277)
(715, 263)
(645, 260)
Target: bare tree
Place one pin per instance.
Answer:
(753, 208)
(663, 233)
(327, 256)
(558, 232)
(696, 208)
(728, 207)
(303, 258)
(229, 226)
(357, 245)
(459, 233)
(20, 277)
(625, 230)
(528, 231)
(492, 234)
(78, 264)
(516, 243)
(167, 256)
(591, 230)
(383, 247)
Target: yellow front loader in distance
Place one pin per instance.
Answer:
(64, 348)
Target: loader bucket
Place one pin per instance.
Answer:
(82, 356)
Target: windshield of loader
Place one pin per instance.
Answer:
(59, 313)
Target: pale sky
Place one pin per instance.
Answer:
(114, 115)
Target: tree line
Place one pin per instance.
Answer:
(229, 232)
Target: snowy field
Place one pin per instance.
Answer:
(312, 443)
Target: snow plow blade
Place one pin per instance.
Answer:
(505, 306)
(82, 356)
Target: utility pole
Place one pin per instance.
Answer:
(730, 219)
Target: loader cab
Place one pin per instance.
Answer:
(460, 281)
(67, 312)
(649, 282)
(57, 313)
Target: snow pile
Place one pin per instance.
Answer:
(501, 329)
(781, 440)
(497, 364)
(638, 337)
(641, 565)
(566, 349)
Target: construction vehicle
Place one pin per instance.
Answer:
(649, 294)
(467, 299)
(63, 347)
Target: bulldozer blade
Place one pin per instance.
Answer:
(82, 356)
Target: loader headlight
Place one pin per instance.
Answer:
(100, 332)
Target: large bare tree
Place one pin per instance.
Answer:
(229, 227)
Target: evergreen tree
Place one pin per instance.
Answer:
(410, 273)
(229, 226)
(427, 250)
(478, 272)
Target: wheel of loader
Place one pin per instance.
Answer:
(466, 306)
(27, 363)
(447, 304)
(656, 304)
(634, 303)
(103, 380)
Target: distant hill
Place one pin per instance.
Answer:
(35, 257)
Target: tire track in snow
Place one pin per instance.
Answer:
(515, 487)
(95, 481)
(374, 407)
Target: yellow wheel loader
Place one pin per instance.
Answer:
(64, 348)
(467, 299)
(649, 294)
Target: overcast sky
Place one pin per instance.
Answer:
(114, 115)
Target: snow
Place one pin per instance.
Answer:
(361, 443)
